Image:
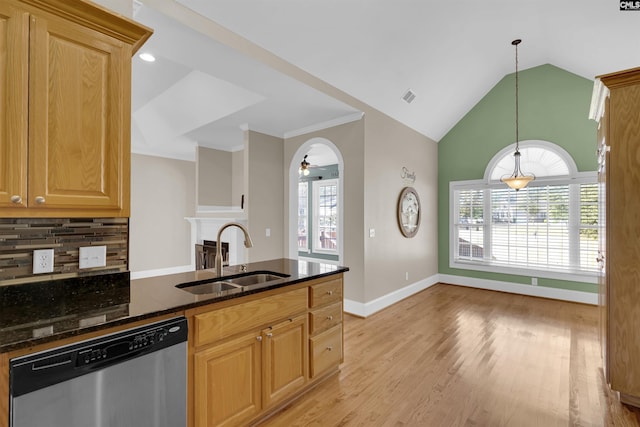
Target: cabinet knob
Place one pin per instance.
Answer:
(269, 335)
(329, 292)
(259, 338)
(329, 348)
(16, 199)
(40, 200)
(329, 317)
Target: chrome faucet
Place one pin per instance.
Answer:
(247, 244)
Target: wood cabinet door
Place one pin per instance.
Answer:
(285, 359)
(14, 61)
(79, 124)
(623, 234)
(228, 382)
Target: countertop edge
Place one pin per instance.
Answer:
(27, 343)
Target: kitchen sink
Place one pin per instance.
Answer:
(208, 288)
(234, 283)
(255, 279)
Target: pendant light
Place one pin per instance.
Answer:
(304, 166)
(517, 180)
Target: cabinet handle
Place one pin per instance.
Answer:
(329, 292)
(40, 200)
(16, 199)
(269, 335)
(329, 317)
(329, 348)
(259, 338)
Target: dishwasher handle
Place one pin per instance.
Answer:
(50, 364)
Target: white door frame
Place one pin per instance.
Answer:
(293, 195)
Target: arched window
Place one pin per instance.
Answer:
(541, 158)
(548, 229)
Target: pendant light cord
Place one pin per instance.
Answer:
(516, 43)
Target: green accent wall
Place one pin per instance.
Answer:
(554, 106)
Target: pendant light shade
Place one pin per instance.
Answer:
(517, 180)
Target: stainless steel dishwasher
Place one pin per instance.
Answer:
(133, 378)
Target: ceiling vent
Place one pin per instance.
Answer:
(409, 96)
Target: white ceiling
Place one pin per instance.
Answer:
(449, 53)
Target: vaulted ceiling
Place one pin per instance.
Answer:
(450, 54)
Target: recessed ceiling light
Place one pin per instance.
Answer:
(146, 56)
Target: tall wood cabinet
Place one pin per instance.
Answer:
(65, 108)
(617, 100)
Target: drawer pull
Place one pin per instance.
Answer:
(329, 348)
(16, 199)
(259, 338)
(329, 292)
(40, 200)
(329, 317)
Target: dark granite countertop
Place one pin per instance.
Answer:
(42, 312)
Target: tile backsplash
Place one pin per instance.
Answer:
(19, 237)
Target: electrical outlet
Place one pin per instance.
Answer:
(93, 256)
(42, 261)
(406, 275)
(534, 281)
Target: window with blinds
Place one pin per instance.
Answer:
(538, 227)
(549, 229)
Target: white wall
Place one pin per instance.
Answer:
(264, 189)
(162, 195)
(214, 176)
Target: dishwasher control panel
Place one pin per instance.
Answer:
(152, 339)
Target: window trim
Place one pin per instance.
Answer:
(315, 248)
(487, 266)
(306, 247)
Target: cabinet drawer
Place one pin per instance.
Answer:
(224, 322)
(326, 350)
(326, 292)
(324, 318)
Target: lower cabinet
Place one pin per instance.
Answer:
(227, 379)
(251, 356)
(235, 380)
(325, 335)
(326, 350)
(285, 358)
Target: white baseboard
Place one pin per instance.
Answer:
(517, 288)
(367, 309)
(161, 271)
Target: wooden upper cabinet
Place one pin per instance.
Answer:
(78, 66)
(14, 49)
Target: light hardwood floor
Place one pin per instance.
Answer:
(455, 356)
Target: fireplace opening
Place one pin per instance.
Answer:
(206, 254)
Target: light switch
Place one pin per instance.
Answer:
(93, 256)
(372, 232)
(268, 232)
